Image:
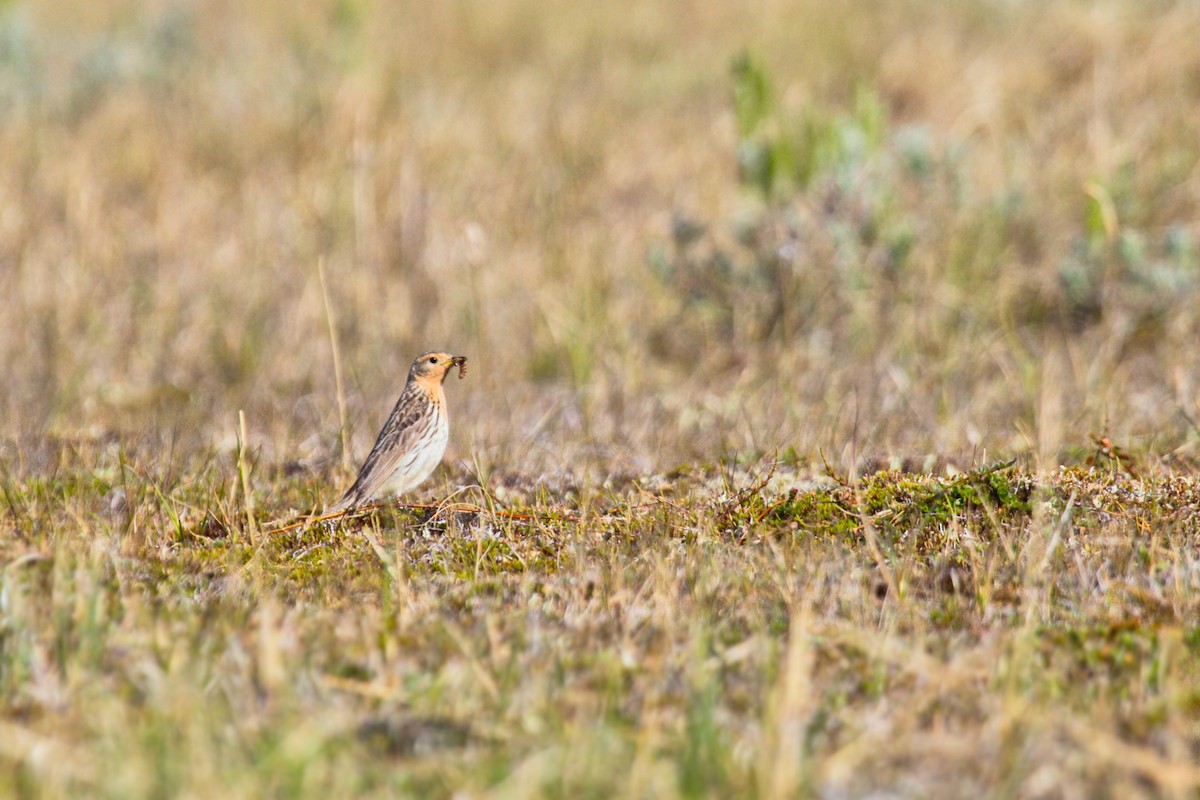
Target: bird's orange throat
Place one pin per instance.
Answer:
(432, 387)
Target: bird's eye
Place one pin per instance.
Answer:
(433, 359)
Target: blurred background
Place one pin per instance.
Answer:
(663, 232)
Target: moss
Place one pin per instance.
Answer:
(903, 507)
(819, 511)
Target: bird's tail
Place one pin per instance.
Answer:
(349, 500)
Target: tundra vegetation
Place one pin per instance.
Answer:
(831, 429)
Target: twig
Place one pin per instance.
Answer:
(560, 515)
(829, 470)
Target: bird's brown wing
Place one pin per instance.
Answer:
(408, 423)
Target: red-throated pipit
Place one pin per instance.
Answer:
(413, 439)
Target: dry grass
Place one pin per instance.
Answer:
(900, 234)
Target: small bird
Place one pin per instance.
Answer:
(413, 439)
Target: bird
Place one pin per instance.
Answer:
(413, 440)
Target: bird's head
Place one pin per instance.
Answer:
(432, 368)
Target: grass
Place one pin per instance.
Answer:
(690, 642)
(831, 428)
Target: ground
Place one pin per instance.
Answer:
(831, 427)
